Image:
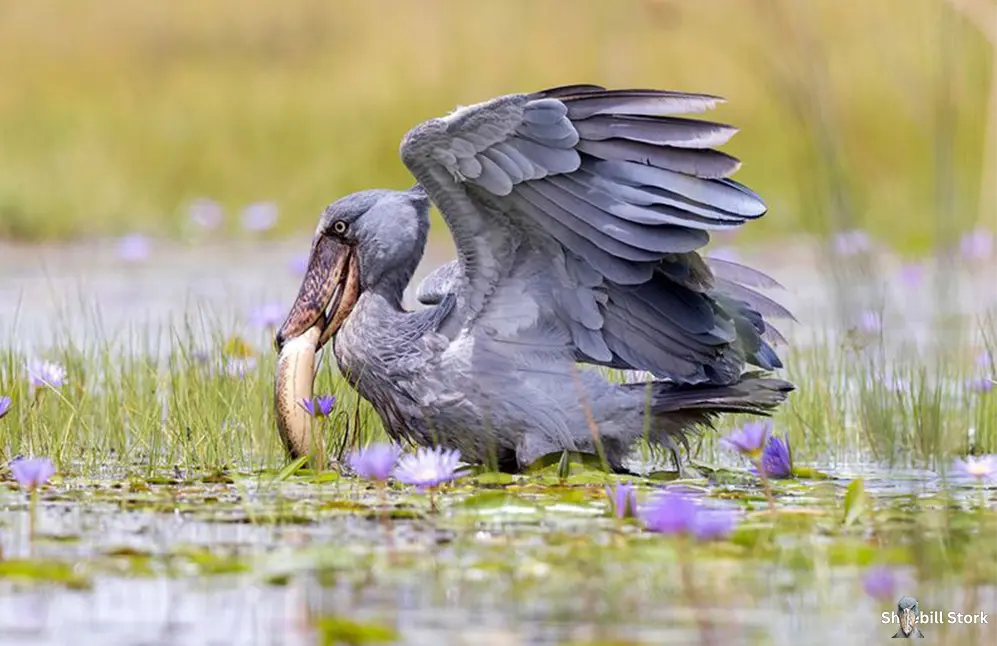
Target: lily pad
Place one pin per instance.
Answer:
(856, 501)
(44, 571)
(336, 631)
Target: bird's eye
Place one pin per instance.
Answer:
(339, 226)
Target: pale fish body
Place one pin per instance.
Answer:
(293, 382)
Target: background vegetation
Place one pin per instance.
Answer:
(116, 115)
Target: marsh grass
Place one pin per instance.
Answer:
(204, 403)
(116, 116)
(198, 405)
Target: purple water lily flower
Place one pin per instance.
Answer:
(319, 406)
(428, 467)
(777, 461)
(750, 438)
(32, 473)
(880, 583)
(713, 524)
(376, 461)
(977, 244)
(669, 513)
(261, 216)
(851, 242)
(5, 403)
(46, 374)
(134, 248)
(267, 316)
(622, 500)
(206, 213)
(983, 467)
(677, 514)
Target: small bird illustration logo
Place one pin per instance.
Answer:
(908, 612)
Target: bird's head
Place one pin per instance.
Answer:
(367, 241)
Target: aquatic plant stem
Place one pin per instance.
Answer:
(686, 551)
(32, 513)
(319, 460)
(382, 498)
(382, 505)
(766, 484)
(590, 421)
(33, 413)
(970, 580)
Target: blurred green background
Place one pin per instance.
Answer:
(115, 115)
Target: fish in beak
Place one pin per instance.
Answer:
(328, 293)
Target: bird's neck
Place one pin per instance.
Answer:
(386, 297)
(395, 275)
(371, 349)
(365, 344)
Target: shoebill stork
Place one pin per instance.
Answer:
(578, 214)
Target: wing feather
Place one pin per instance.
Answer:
(639, 102)
(543, 196)
(742, 274)
(557, 134)
(547, 159)
(637, 206)
(492, 178)
(705, 162)
(612, 267)
(606, 199)
(654, 239)
(659, 131)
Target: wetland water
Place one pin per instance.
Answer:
(49, 293)
(199, 555)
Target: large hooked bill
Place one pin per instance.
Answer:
(328, 293)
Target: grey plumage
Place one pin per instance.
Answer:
(577, 214)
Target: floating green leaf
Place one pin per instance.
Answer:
(334, 631)
(291, 468)
(809, 473)
(856, 501)
(44, 571)
(493, 478)
(490, 500)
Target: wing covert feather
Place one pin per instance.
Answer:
(613, 198)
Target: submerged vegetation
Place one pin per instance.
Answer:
(877, 479)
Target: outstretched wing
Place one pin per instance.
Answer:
(605, 203)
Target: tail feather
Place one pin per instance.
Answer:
(754, 393)
(679, 410)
